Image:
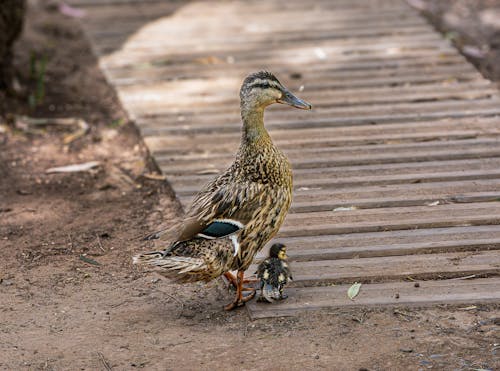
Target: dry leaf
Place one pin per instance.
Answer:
(353, 290)
(343, 208)
(74, 168)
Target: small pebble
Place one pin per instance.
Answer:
(434, 356)
(6, 282)
(416, 284)
(396, 296)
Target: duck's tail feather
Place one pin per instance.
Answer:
(183, 268)
(148, 257)
(167, 233)
(156, 235)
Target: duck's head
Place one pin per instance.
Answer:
(278, 250)
(261, 89)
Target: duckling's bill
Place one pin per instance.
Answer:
(291, 100)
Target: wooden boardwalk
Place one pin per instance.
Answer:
(397, 169)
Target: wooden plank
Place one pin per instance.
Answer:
(324, 181)
(239, 47)
(366, 170)
(282, 35)
(214, 104)
(393, 268)
(320, 153)
(112, 41)
(332, 122)
(85, 3)
(148, 106)
(492, 163)
(296, 53)
(371, 226)
(194, 70)
(109, 10)
(304, 197)
(207, 101)
(410, 237)
(393, 250)
(332, 137)
(151, 75)
(454, 292)
(417, 189)
(443, 176)
(383, 215)
(267, 24)
(207, 166)
(401, 201)
(113, 61)
(202, 90)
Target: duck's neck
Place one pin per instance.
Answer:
(253, 127)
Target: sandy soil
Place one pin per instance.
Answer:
(472, 25)
(70, 298)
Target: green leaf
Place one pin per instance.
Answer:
(353, 290)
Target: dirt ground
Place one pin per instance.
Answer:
(70, 297)
(472, 25)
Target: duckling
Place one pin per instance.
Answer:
(237, 213)
(274, 274)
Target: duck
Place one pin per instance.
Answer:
(274, 273)
(233, 217)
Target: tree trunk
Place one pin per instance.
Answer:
(11, 24)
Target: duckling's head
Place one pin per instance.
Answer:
(261, 89)
(278, 250)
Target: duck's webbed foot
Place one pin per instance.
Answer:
(239, 299)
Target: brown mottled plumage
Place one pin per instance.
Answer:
(236, 214)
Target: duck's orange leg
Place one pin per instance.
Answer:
(240, 300)
(233, 280)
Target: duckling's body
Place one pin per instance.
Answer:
(235, 215)
(274, 273)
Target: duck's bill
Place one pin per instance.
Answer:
(292, 100)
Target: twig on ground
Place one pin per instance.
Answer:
(404, 314)
(182, 342)
(104, 362)
(121, 303)
(465, 278)
(99, 242)
(70, 241)
(176, 300)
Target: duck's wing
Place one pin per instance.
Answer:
(221, 209)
